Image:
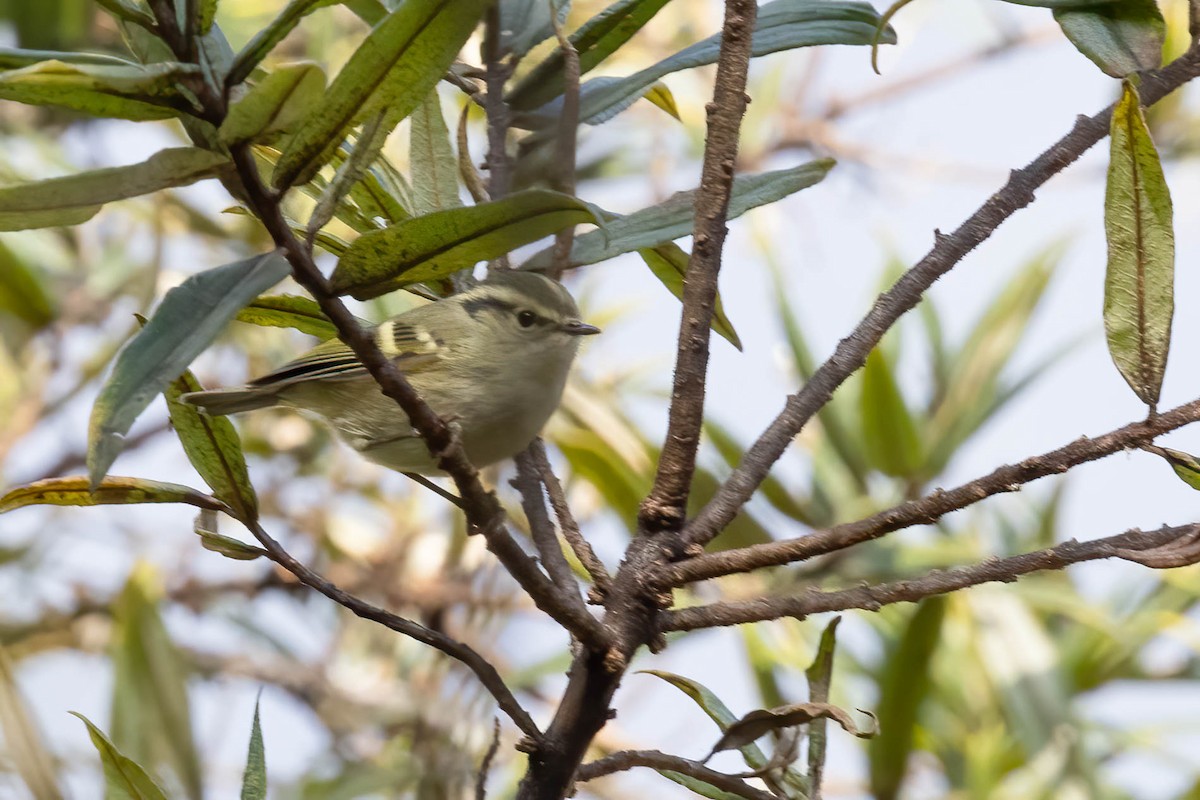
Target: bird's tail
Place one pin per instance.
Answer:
(219, 402)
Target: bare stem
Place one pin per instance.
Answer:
(628, 759)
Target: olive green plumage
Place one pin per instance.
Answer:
(492, 360)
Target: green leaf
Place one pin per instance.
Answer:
(1121, 37)
(1060, 3)
(133, 92)
(128, 11)
(904, 682)
(526, 23)
(207, 16)
(673, 218)
(26, 750)
(76, 198)
(21, 292)
(213, 447)
(1186, 465)
(151, 721)
(124, 779)
(781, 25)
(289, 311)
(77, 491)
(596, 40)
(761, 721)
(889, 432)
(189, 318)
(397, 65)
(280, 101)
(438, 244)
(16, 58)
(697, 786)
(254, 780)
(820, 675)
(669, 263)
(266, 39)
(433, 163)
(1139, 284)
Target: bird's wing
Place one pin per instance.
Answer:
(411, 349)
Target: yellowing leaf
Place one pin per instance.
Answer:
(74, 491)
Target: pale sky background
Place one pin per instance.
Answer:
(937, 154)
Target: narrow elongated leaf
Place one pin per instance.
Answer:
(77, 491)
(1139, 285)
(26, 748)
(397, 65)
(673, 218)
(1185, 465)
(266, 39)
(289, 311)
(669, 263)
(128, 11)
(904, 683)
(1061, 3)
(214, 448)
(781, 25)
(820, 675)
(21, 292)
(526, 23)
(16, 58)
(762, 721)
(889, 432)
(151, 720)
(124, 779)
(434, 165)
(438, 244)
(75, 198)
(254, 779)
(280, 101)
(596, 40)
(135, 92)
(189, 318)
(1121, 37)
(702, 788)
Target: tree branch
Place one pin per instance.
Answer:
(928, 509)
(486, 673)
(948, 250)
(628, 759)
(1161, 549)
(528, 483)
(565, 144)
(665, 507)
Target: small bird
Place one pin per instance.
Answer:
(492, 360)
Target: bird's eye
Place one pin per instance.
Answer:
(526, 318)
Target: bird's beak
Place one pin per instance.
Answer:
(577, 328)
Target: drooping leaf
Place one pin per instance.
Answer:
(288, 311)
(526, 23)
(214, 448)
(254, 779)
(660, 95)
(266, 39)
(433, 163)
(1185, 465)
(280, 101)
(1121, 37)
(124, 779)
(76, 198)
(820, 675)
(904, 682)
(890, 434)
(596, 40)
(134, 92)
(189, 318)
(673, 218)
(1139, 283)
(762, 721)
(151, 719)
(669, 263)
(397, 65)
(128, 11)
(205, 527)
(697, 786)
(438, 244)
(16, 58)
(76, 491)
(781, 25)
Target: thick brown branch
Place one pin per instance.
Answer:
(486, 673)
(665, 508)
(628, 759)
(1163, 548)
(932, 507)
(948, 250)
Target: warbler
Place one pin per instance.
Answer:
(492, 360)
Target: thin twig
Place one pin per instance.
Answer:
(1133, 545)
(483, 669)
(496, 74)
(934, 506)
(664, 509)
(654, 759)
(948, 250)
(601, 581)
(565, 145)
(529, 485)
(486, 764)
(453, 499)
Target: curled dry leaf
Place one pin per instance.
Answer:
(765, 720)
